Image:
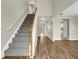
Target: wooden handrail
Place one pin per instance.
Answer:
(30, 46)
(34, 17)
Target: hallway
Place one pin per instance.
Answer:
(62, 49)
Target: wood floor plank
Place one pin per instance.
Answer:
(16, 57)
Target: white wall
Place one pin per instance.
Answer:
(10, 10)
(60, 5)
(50, 28)
(44, 7)
(57, 27)
(73, 27)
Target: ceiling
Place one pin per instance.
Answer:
(71, 10)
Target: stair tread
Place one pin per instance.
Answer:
(19, 47)
(23, 31)
(19, 40)
(16, 43)
(17, 50)
(23, 28)
(22, 35)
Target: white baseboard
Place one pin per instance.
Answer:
(68, 39)
(73, 39)
(13, 35)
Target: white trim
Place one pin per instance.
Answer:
(13, 35)
(69, 40)
(22, 12)
(73, 39)
(56, 39)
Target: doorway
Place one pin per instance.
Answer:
(65, 29)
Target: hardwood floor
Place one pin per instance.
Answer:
(46, 49)
(16, 57)
(62, 49)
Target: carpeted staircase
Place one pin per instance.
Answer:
(20, 44)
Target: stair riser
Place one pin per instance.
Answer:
(17, 53)
(27, 22)
(19, 45)
(22, 35)
(20, 40)
(23, 31)
(26, 39)
(26, 25)
(23, 28)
